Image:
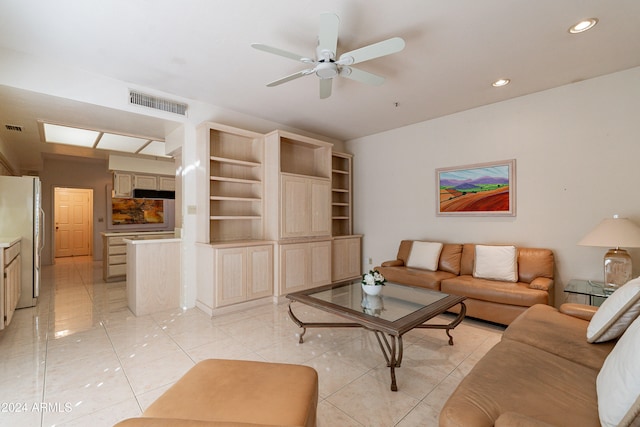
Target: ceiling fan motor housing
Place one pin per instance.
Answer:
(326, 70)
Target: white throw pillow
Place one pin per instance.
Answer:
(616, 313)
(425, 255)
(618, 382)
(496, 263)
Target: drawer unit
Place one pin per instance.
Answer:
(114, 252)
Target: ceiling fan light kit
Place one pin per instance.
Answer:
(326, 67)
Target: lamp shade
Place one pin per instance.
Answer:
(613, 232)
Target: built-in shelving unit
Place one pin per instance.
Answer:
(341, 195)
(235, 184)
(277, 207)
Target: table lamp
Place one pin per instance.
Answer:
(615, 233)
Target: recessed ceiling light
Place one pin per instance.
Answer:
(60, 134)
(584, 25)
(501, 82)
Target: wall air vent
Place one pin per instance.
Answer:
(156, 103)
(14, 128)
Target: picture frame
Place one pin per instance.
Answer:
(482, 189)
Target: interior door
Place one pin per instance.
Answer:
(73, 212)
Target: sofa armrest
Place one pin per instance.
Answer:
(541, 283)
(394, 263)
(515, 419)
(581, 311)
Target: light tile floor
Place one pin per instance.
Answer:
(80, 357)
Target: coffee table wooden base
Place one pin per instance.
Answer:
(392, 347)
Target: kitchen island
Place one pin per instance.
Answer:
(153, 273)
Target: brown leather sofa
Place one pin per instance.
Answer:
(542, 373)
(491, 300)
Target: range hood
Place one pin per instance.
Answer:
(153, 194)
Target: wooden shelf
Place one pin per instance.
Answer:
(238, 180)
(236, 199)
(234, 217)
(235, 161)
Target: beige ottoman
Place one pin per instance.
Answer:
(235, 392)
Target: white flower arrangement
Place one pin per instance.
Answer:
(373, 278)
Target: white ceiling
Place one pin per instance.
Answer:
(200, 50)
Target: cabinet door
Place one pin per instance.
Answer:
(13, 288)
(230, 276)
(294, 267)
(320, 260)
(345, 259)
(295, 219)
(320, 198)
(122, 184)
(145, 182)
(166, 183)
(259, 271)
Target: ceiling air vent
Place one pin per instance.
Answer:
(14, 128)
(156, 103)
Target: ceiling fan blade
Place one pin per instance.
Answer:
(325, 88)
(376, 50)
(361, 76)
(290, 77)
(328, 36)
(280, 52)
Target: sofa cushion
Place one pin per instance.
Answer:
(517, 293)
(535, 263)
(496, 263)
(450, 258)
(544, 327)
(618, 383)
(414, 276)
(425, 255)
(616, 313)
(517, 377)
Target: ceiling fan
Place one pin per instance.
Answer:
(326, 66)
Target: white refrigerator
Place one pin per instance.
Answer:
(21, 215)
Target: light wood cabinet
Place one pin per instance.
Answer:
(304, 265)
(243, 274)
(122, 184)
(145, 182)
(166, 183)
(10, 280)
(125, 182)
(304, 207)
(346, 258)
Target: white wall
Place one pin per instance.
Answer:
(577, 149)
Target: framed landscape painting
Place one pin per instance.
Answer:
(484, 189)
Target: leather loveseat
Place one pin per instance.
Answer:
(455, 272)
(545, 372)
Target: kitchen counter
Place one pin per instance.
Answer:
(5, 242)
(152, 239)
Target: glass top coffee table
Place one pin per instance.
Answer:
(397, 310)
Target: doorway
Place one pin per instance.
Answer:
(73, 219)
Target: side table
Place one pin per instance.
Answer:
(591, 288)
